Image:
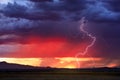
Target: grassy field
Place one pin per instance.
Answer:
(58, 76)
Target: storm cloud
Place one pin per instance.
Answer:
(59, 18)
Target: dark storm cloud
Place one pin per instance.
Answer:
(48, 18)
(26, 28)
(63, 10)
(94, 10)
(20, 11)
(114, 5)
(41, 19)
(43, 10)
(98, 10)
(65, 5)
(14, 10)
(108, 38)
(68, 9)
(42, 0)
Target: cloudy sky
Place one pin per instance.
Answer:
(47, 32)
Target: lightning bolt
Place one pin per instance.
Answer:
(82, 25)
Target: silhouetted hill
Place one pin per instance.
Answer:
(4, 66)
(10, 71)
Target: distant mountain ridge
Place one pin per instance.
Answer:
(4, 66)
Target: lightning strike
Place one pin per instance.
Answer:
(82, 25)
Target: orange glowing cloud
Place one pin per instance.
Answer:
(23, 61)
(65, 62)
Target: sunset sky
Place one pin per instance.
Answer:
(47, 32)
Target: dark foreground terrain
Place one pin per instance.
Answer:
(58, 74)
(20, 72)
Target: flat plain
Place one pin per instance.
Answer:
(60, 75)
